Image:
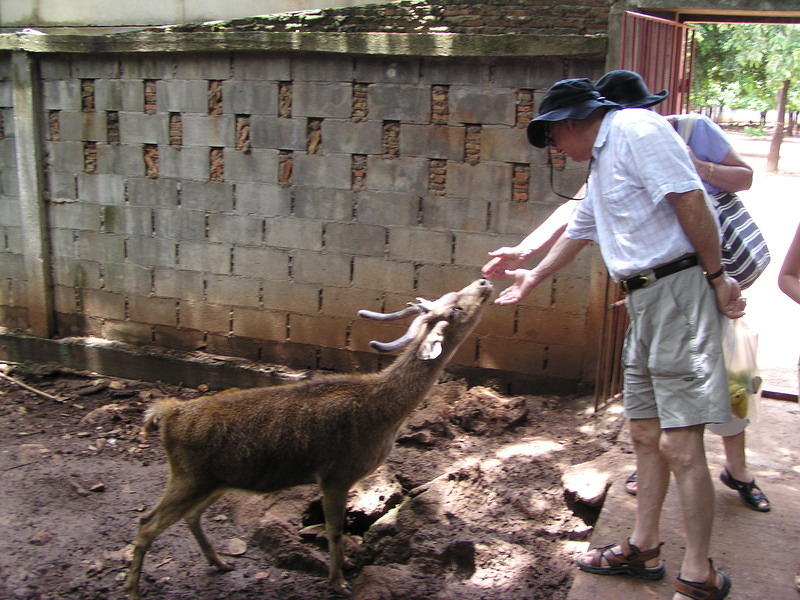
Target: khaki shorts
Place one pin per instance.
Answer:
(672, 360)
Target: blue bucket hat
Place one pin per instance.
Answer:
(628, 89)
(566, 99)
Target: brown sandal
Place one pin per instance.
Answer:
(629, 561)
(706, 590)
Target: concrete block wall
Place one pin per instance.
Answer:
(250, 204)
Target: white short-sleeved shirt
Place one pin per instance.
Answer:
(638, 159)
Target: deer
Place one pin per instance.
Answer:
(332, 430)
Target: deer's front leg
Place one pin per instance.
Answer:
(334, 500)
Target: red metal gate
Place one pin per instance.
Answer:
(662, 52)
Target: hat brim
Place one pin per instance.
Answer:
(536, 128)
(647, 101)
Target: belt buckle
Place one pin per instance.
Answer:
(644, 279)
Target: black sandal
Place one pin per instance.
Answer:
(750, 493)
(705, 590)
(631, 484)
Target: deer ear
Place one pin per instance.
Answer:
(431, 346)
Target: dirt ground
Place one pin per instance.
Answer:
(470, 504)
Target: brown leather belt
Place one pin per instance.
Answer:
(644, 279)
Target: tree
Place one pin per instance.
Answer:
(749, 66)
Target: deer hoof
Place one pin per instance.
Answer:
(341, 588)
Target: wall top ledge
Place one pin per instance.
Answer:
(379, 43)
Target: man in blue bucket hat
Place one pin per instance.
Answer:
(646, 210)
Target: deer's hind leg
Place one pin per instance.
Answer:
(334, 501)
(192, 518)
(178, 499)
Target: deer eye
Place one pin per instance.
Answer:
(456, 310)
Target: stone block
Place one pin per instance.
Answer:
(324, 204)
(456, 71)
(520, 217)
(119, 95)
(291, 232)
(179, 224)
(347, 137)
(256, 166)
(420, 245)
(409, 175)
(320, 267)
(186, 163)
(205, 317)
(406, 103)
(75, 215)
(231, 290)
(12, 266)
(95, 66)
(101, 189)
(78, 274)
(203, 66)
(148, 66)
(180, 338)
(6, 93)
(202, 130)
(150, 251)
(134, 220)
(548, 325)
(103, 304)
(380, 70)
(81, 126)
(266, 263)
(571, 291)
(509, 354)
(124, 278)
(259, 324)
(63, 243)
(182, 96)
(300, 297)
(471, 248)
(127, 332)
(139, 128)
(264, 199)
(345, 302)
(322, 99)
(64, 302)
(273, 132)
(10, 213)
(464, 214)
(234, 229)
(496, 320)
(432, 141)
(355, 238)
(201, 256)
(318, 330)
(63, 187)
(210, 196)
(344, 361)
(363, 331)
(173, 283)
(486, 180)
(377, 273)
(314, 170)
(565, 362)
(55, 66)
(153, 311)
(260, 67)
(61, 95)
(144, 191)
(484, 105)
(101, 247)
(527, 73)
(387, 208)
(120, 159)
(509, 144)
(9, 182)
(66, 157)
(433, 281)
(312, 67)
(250, 98)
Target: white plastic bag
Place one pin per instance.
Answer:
(740, 347)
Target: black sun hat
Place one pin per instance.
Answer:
(566, 99)
(628, 89)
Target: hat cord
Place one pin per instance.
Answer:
(552, 187)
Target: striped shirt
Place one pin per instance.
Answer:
(638, 159)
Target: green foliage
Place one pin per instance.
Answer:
(744, 65)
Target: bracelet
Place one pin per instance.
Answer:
(710, 171)
(714, 275)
